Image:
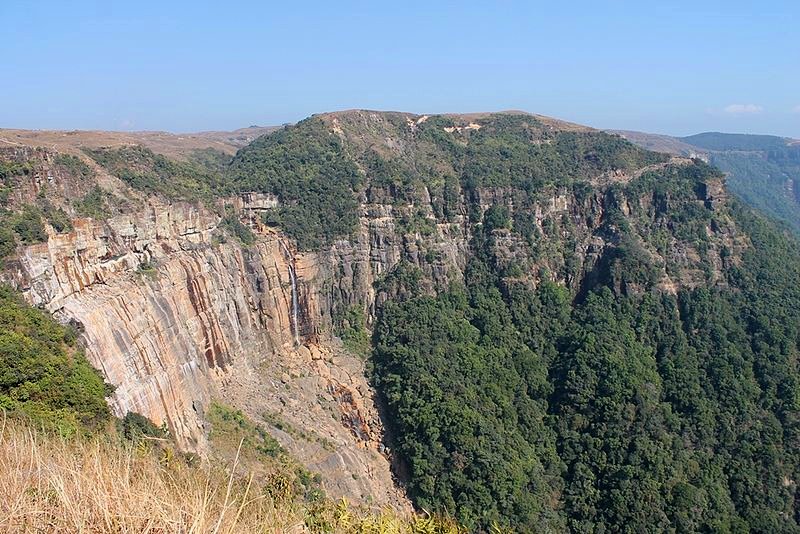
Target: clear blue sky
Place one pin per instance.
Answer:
(675, 67)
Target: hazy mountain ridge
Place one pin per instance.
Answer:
(723, 142)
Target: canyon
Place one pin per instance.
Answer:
(175, 313)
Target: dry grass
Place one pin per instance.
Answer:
(171, 145)
(52, 484)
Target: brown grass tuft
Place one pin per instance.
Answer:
(54, 484)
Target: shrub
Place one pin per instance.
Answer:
(43, 375)
(73, 165)
(496, 217)
(7, 241)
(231, 223)
(93, 204)
(134, 427)
(27, 224)
(57, 217)
(352, 329)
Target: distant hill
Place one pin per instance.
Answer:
(174, 145)
(717, 141)
(659, 143)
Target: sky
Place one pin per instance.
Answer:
(673, 67)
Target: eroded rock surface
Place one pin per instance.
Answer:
(174, 318)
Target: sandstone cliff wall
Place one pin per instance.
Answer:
(174, 314)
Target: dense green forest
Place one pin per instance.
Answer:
(768, 181)
(305, 166)
(609, 410)
(44, 376)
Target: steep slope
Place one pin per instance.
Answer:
(602, 336)
(570, 332)
(762, 170)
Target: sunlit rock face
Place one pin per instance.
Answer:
(173, 317)
(164, 314)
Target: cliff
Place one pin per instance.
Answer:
(173, 319)
(175, 312)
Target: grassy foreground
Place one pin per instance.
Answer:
(50, 483)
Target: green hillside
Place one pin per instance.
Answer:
(745, 142)
(587, 401)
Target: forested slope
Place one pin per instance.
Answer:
(625, 412)
(619, 353)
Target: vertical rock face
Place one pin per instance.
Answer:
(350, 271)
(173, 318)
(165, 315)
